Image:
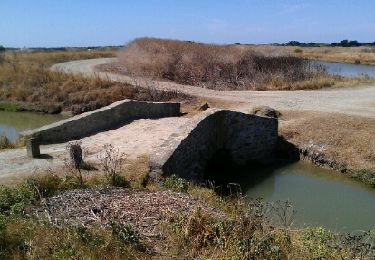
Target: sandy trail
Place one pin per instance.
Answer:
(359, 101)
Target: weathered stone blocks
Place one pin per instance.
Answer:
(185, 153)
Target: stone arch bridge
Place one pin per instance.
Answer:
(186, 153)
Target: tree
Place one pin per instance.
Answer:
(2, 54)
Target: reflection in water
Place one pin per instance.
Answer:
(348, 70)
(11, 123)
(320, 197)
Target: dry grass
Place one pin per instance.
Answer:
(27, 84)
(348, 142)
(219, 67)
(363, 55)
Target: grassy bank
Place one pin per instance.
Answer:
(27, 84)
(354, 55)
(341, 142)
(226, 227)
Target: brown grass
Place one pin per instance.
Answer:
(347, 140)
(363, 55)
(26, 81)
(218, 67)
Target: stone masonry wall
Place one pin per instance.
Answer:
(102, 119)
(185, 153)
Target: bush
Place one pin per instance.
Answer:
(5, 143)
(317, 241)
(176, 184)
(14, 200)
(213, 66)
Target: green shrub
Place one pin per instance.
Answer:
(176, 184)
(13, 200)
(298, 50)
(317, 240)
(124, 233)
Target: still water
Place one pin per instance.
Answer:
(348, 70)
(11, 123)
(319, 197)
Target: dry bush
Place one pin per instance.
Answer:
(26, 81)
(5, 143)
(214, 66)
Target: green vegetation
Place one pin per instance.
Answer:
(238, 230)
(10, 107)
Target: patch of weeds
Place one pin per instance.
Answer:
(358, 246)
(127, 236)
(367, 176)
(112, 163)
(88, 238)
(317, 240)
(10, 107)
(176, 184)
(14, 200)
(5, 143)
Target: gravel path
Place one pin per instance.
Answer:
(358, 101)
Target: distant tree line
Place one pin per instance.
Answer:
(343, 43)
(2, 54)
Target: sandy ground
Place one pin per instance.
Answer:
(135, 140)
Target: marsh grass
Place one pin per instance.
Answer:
(220, 66)
(26, 83)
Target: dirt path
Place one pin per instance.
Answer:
(358, 101)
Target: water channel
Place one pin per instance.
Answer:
(348, 70)
(11, 123)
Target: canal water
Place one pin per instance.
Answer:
(319, 197)
(348, 70)
(11, 123)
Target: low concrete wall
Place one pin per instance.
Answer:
(185, 153)
(102, 119)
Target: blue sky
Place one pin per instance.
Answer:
(52, 23)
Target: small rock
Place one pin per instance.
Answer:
(265, 111)
(204, 107)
